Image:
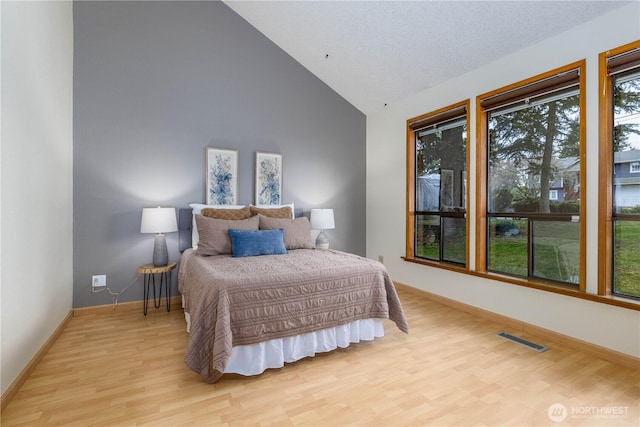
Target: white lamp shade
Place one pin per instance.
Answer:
(322, 219)
(158, 220)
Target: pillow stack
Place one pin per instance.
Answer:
(248, 230)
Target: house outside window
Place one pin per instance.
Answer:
(531, 212)
(619, 210)
(437, 181)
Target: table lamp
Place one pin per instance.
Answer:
(322, 219)
(159, 220)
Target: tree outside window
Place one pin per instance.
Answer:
(437, 150)
(533, 178)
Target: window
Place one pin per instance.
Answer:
(531, 151)
(437, 186)
(619, 216)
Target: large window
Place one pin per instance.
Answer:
(437, 181)
(620, 149)
(531, 178)
(527, 189)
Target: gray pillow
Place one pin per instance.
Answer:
(214, 233)
(297, 232)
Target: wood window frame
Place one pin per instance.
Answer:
(605, 168)
(413, 125)
(481, 200)
(552, 79)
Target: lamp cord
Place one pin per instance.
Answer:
(115, 295)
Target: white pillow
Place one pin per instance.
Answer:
(293, 212)
(197, 208)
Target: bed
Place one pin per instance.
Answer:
(246, 314)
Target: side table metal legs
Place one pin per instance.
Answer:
(150, 280)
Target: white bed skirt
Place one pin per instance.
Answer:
(254, 359)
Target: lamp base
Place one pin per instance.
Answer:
(322, 241)
(160, 253)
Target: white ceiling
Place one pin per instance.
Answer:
(382, 51)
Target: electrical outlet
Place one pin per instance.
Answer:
(381, 259)
(98, 281)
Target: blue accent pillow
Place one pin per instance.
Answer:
(257, 242)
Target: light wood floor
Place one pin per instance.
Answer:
(451, 370)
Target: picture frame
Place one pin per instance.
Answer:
(446, 189)
(221, 176)
(268, 178)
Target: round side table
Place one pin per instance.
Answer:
(150, 271)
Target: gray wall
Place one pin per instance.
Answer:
(157, 82)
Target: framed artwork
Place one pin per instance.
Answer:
(222, 176)
(268, 178)
(446, 189)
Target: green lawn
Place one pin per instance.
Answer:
(627, 265)
(454, 250)
(428, 242)
(508, 255)
(555, 251)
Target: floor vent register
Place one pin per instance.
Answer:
(529, 344)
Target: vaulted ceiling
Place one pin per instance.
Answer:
(378, 52)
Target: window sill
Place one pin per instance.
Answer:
(438, 264)
(615, 300)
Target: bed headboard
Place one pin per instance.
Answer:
(185, 225)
